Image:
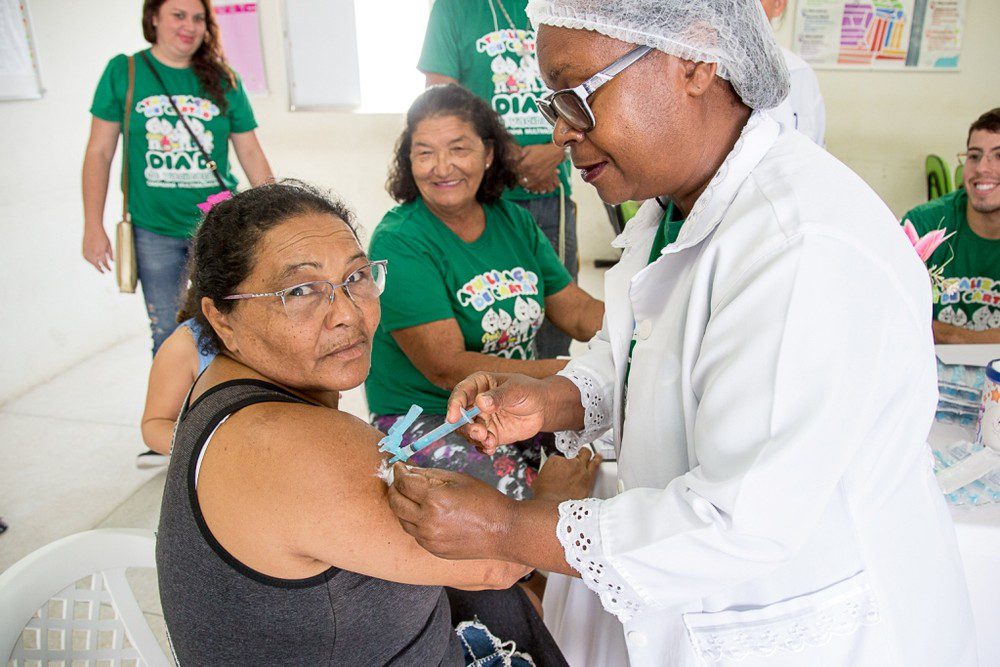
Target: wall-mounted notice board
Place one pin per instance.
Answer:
(321, 49)
(19, 74)
(898, 35)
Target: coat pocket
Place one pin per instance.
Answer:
(823, 627)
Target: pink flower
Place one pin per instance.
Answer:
(212, 200)
(925, 245)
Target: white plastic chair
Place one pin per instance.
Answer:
(68, 603)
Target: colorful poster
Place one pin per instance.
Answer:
(240, 28)
(878, 34)
(941, 34)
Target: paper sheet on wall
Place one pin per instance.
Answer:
(880, 34)
(19, 78)
(240, 27)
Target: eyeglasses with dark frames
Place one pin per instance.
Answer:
(571, 105)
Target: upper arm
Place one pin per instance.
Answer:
(175, 367)
(434, 79)
(574, 311)
(247, 146)
(307, 476)
(103, 138)
(430, 346)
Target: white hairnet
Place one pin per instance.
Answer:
(733, 33)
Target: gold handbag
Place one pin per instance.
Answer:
(126, 269)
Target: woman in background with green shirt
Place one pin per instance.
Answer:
(471, 278)
(168, 174)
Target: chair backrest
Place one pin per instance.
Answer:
(620, 214)
(69, 602)
(958, 176)
(938, 177)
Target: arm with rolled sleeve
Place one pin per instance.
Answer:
(788, 385)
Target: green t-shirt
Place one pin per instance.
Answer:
(168, 176)
(494, 287)
(970, 265)
(472, 42)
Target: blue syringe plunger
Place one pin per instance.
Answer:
(404, 453)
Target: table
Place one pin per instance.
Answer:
(976, 528)
(591, 637)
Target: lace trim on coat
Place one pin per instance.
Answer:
(580, 536)
(596, 415)
(812, 627)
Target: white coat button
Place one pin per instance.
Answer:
(636, 638)
(621, 486)
(645, 328)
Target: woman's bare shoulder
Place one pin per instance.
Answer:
(307, 437)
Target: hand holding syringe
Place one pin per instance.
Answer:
(393, 439)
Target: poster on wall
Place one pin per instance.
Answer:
(880, 34)
(19, 75)
(239, 24)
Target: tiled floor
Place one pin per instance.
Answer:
(68, 455)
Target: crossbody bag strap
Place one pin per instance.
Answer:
(125, 125)
(208, 158)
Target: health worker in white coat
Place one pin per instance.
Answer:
(766, 364)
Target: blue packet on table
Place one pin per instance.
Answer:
(983, 491)
(960, 390)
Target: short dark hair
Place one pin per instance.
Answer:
(989, 121)
(454, 100)
(224, 251)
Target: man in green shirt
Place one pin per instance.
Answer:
(488, 46)
(967, 309)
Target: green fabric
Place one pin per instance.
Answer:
(971, 264)
(471, 42)
(168, 176)
(494, 287)
(666, 233)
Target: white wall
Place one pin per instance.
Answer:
(58, 310)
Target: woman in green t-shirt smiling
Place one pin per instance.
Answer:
(168, 173)
(471, 279)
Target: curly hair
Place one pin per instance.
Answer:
(208, 62)
(224, 251)
(454, 100)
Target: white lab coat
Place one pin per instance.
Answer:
(776, 500)
(803, 109)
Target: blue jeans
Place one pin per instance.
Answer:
(551, 341)
(162, 261)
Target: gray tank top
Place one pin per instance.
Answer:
(221, 612)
